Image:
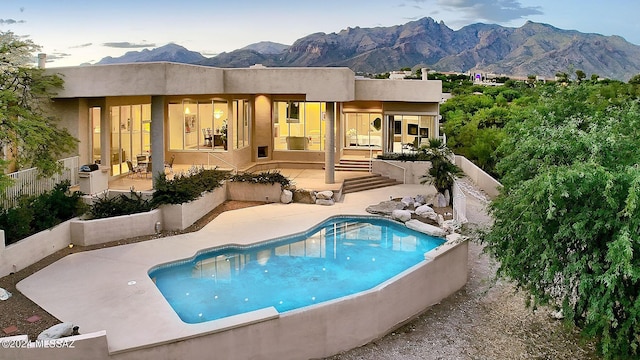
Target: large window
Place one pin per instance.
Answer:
(363, 130)
(298, 125)
(130, 134)
(410, 131)
(241, 117)
(94, 119)
(198, 125)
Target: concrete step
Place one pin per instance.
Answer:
(353, 165)
(373, 181)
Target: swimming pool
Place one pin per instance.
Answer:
(339, 257)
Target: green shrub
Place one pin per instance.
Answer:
(36, 213)
(266, 177)
(187, 187)
(104, 207)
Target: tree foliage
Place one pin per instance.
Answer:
(27, 130)
(567, 222)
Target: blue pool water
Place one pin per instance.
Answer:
(339, 257)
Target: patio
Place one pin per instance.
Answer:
(109, 289)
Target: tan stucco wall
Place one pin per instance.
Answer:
(398, 90)
(262, 128)
(319, 84)
(139, 79)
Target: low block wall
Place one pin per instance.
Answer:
(413, 170)
(99, 231)
(483, 180)
(181, 216)
(34, 248)
(243, 191)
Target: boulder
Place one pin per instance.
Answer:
(304, 197)
(420, 199)
(431, 216)
(447, 197)
(439, 200)
(324, 202)
(401, 215)
(431, 230)
(324, 195)
(407, 201)
(449, 226)
(4, 294)
(286, 197)
(423, 210)
(385, 207)
(58, 331)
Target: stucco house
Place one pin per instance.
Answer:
(242, 117)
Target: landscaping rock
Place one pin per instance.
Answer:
(324, 202)
(407, 201)
(385, 207)
(304, 197)
(59, 331)
(324, 195)
(439, 200)
(4, 294)
(401, 215)
(286, 197)
(431, 230)
(447, 197)
(420, 199)
(423, 210)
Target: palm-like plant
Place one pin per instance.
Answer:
(443, 172)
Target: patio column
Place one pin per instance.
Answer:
(329, 144)
(157, 136)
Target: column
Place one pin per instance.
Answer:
(329, 144)
(157, 136)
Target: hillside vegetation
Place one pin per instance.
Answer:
(567, 221)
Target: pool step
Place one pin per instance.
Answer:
(373, 181)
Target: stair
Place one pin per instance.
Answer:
(353, 165)
(372, 181)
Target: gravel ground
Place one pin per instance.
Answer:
(486, 319)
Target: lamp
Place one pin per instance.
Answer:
(187, 111)
(218, 114)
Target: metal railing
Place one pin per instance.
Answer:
(404, 171)
(235, 168)
(28, 182)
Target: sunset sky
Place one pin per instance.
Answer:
(74, 32)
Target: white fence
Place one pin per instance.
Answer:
(459, 204)
(480, 178)
(28, 182)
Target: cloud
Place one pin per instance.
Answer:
(495, 11)
(11, 21)
(81, 46)
(127, 45)
(57, 56)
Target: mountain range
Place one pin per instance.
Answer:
(532, 49)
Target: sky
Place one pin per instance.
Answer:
(76, 32)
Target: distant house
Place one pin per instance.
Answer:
(308, 117)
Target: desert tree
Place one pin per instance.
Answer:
(567, 221)
(28, 132)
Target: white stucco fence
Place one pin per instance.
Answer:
(482, 180)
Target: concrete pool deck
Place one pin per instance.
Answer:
(109, 289)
